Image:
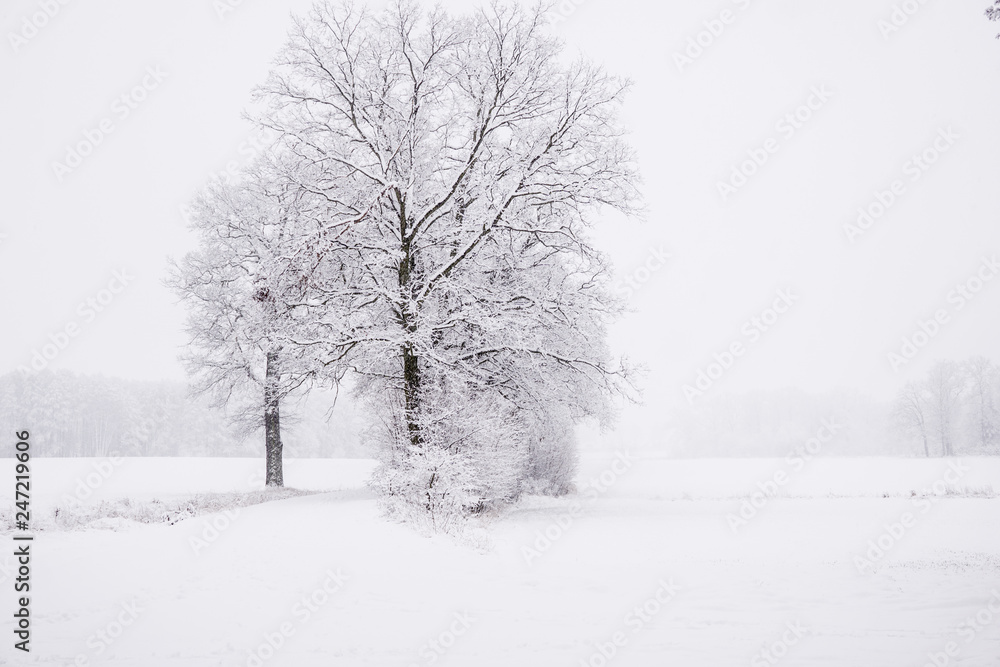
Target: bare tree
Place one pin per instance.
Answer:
(946, 384)
(983, 377)
(458, 164)
(911, 410)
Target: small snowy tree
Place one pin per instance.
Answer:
(911, 411)
(244, 292)
(460, 162)
(946, 385)
(983, 378)
(552, 456)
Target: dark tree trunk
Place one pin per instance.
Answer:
(411, 393)
(272, 423)
(411, 367)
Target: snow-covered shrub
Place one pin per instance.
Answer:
(552, 457)
(470, 458)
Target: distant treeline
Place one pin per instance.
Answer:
(953, 411)
(69, 414)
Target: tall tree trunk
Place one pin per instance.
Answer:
(411, 367)
(411, 394)
(272, 423)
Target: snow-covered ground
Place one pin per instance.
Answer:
(654, 562)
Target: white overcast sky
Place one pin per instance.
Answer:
(890, 97)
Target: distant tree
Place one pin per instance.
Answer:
(911, 411)
(946, 384)
(983, 377)
(245, 293)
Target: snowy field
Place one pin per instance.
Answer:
(654, 562)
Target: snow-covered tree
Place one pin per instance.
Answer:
(459, 163)
(946, 385)
(911, 411)
(244, 288)
(983, 377)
